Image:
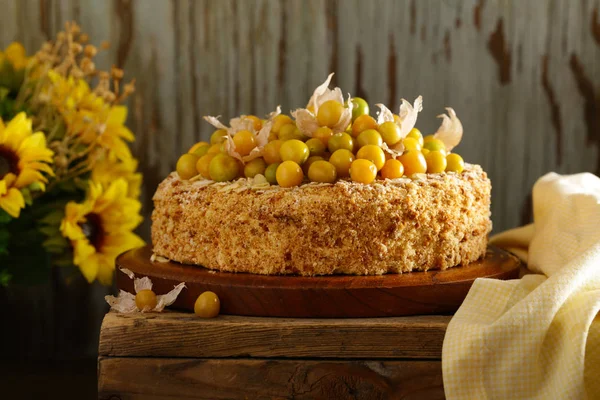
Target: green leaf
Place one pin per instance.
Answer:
(55, 241)
(67, 186)
(64, 260)
(50, 230)
(82, 184)
(53, 218)
(27, 196)
(5, 277)
(35, 187)
(4, 217)
(4, 240)
(3, 93)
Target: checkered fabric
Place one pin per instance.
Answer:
(536, 337)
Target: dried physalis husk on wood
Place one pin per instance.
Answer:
(306, 118)
(125, 301)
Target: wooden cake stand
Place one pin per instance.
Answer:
(339, 296)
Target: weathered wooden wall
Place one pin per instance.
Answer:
(522, 75)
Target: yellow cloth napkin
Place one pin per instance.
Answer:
(526, 338)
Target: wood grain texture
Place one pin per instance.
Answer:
(338, 296)
(173, 334)
(177, 378)
(522, 75)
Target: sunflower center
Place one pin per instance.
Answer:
(92, 229)
(9, 161)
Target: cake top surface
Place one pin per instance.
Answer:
(329, 140)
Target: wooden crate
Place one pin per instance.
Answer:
(177, 355)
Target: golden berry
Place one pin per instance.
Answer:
(218, 136)
(436, 162)
(390, 132)
(369, 136)
(362, 123)
(411, 144)
(340, 141)
(271, 152)
(363, 171)
(203, 164)
(289, 174)
(414, 163)
(329, 113)
(186, 166)
(455, 163)
(257, 122)
(416, 134)
(322, 171)
(294, 150)
(207, 305)
(392, 169)
(244, 142)
(372, 153)
(342, 160)
(359, 107)
(308, 163)
(324, 133)
(223, 168)
(255, 167)
(280, 121)
(435, 144)
(270, 173)
(145, 300)
(315, 147)
(197, 146)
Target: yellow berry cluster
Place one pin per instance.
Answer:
(290, 158)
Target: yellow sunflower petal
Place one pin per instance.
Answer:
(12, 202)
(115, 145)
(85, 257)
(74, 214)
(16, 131)
(106, 269)
(29, 176)
(117, 244)
(40, 166)
(121, 131)
(117, 115)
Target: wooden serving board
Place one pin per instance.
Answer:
(340, 296)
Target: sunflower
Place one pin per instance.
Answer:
(89, 116)
(15, 55)
(13, 62)
(100, 228)
(109, 169)
(23, 158)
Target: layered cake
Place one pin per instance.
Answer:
(327, 190)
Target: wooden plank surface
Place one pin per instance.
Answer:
(178, 378)
(184, 335)
(522, 75)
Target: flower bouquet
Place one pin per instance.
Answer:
(68, 182)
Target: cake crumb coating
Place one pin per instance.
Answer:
(436, 221)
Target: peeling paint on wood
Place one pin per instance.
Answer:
(595, 26)
(554, 109)
(499, 49)
(447, 48)
(591, 109)
(477, 14)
